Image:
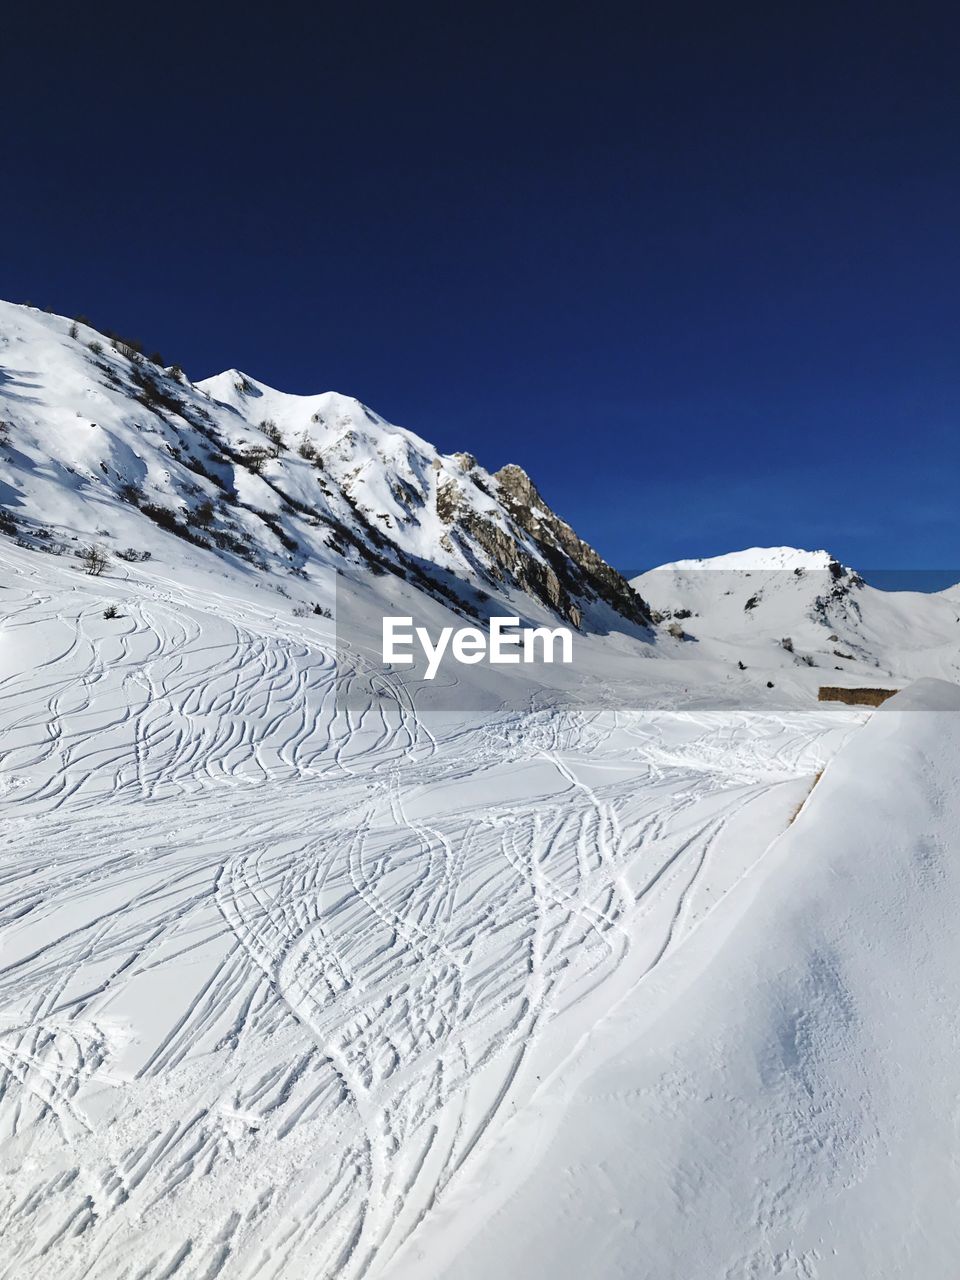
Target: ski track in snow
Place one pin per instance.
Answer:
(303, 944)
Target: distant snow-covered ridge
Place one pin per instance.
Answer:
(776, 608)
(230, 477)
(757, 560)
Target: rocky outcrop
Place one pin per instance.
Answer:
(537, 551)
(579, 570)
(843, 583)
(338, 487)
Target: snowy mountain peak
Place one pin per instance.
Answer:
(771, 608)
(759, 559)
(99, 437)
(250, 396)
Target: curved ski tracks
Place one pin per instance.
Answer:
(255, 1025)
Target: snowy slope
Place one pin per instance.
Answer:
(781, 609)
(275, 968)
(780, 1100)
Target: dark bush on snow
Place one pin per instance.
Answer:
(227, 541)
(254, 458)
(151, 394)
(274, 435)
(276, 528)
(94, 560)
(164, 518)
(203, 515)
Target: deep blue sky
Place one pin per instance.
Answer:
(695, 267)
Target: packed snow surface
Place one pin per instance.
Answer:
(783, 1100)
(279, 972)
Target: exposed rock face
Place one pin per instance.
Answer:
(537, 550)
(448, 501)
(577, 568)
(844, 582)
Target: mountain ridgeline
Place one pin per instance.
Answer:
(97, 437)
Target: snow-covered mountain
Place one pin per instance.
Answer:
(780, 608)
(295, 984)
(100, 444)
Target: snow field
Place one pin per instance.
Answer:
(277, 969)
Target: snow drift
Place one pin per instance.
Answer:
(780, 1099)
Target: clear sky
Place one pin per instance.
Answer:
(695, 267)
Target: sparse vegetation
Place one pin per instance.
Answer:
(166, 519)
(277, 529)
(306, 448)
(94, 560)
(111, 611)
(203, 515)
(195, 464)
(254, 457)
(151, 394)
(227, 541)
(132, 554)
(274, 435)
(128, 347)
